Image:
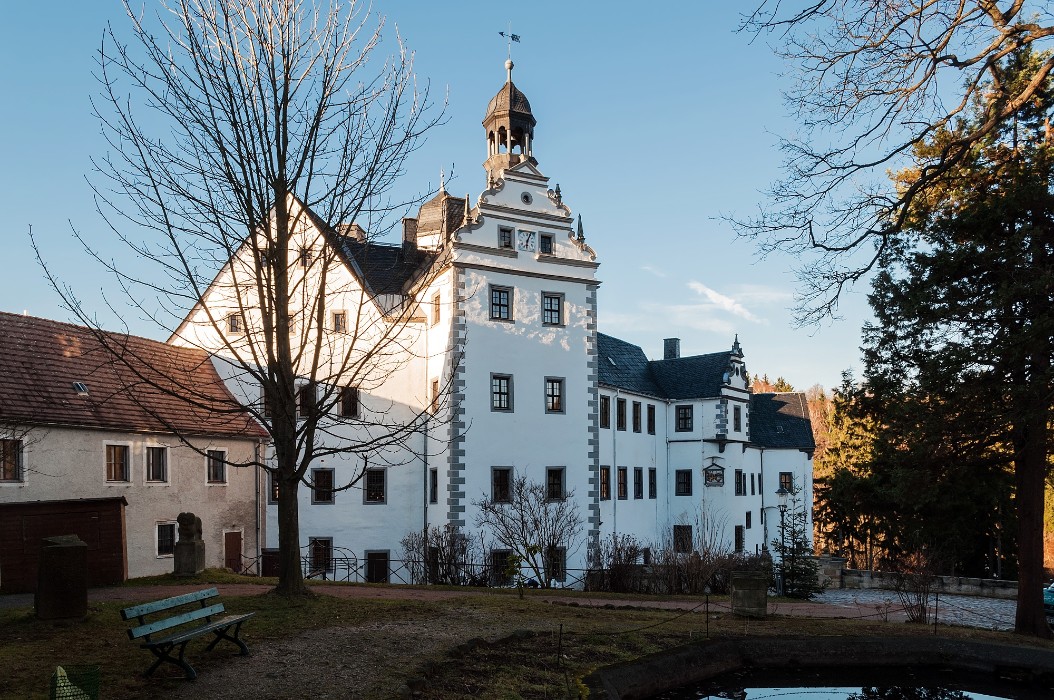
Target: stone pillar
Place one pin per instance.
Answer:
(750, 594)
(189, 556)
(62, 578)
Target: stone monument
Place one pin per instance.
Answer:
(190, 549)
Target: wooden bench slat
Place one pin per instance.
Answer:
(174, 621)
(173, 602)
(200, 630)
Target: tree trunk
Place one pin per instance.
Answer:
(290, 573)
(1030, 468)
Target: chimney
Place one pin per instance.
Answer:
(410, 233)
(352, 230)
(671, 348)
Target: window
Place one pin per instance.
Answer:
(740, 538)
(737, 419)
(638, 482)
(645, 556)
(117, 463)
(554, 483)
(166, 539)
(622, 483)
(683, 482)
(554, 395)
(501, 484)
(741, 483)
(305, 403)
(652, 485)
(684, 419)
(157, 464)
(435, 396)
(545, 244)
(501, 303)
(752, 491)
(10, 460)
(265, 402)
(552, 309)
(433, 486)
(556, 563)
(620, 414)
(501, 392)
(437, 303)
(500, 567)
(216, 461)
(748, 520)
(636, 416)
(375, 486)
(321, 549)
(682, 538)
(505, 238)
(760, 489)
(340, 322)
(272, 487)
(349, 402)
(605, 411)
(787, 481)
(305, 257)
(651, 419)
(605, 483)
(234, 324)
(377, 567)
(322, 486)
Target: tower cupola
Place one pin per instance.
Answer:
(509, 126)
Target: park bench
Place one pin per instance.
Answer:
(167, 635)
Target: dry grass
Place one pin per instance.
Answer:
(459, 647)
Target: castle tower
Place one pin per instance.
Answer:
(509, 126)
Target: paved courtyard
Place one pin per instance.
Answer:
(965, 611)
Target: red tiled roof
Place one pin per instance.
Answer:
(134, 384)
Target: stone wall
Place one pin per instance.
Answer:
(834, 576)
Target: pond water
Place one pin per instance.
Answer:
(906, 683)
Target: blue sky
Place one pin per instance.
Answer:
(654, 123)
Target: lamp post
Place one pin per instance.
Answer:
(781, 495)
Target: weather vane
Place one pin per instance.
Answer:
(510, 37)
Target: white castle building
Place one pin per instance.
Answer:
(503, 296)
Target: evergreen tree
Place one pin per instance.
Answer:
(793, 548)
(959, 361)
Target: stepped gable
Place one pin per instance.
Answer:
(695, 377)
(625, 366)
(133, 384)
(781, 420)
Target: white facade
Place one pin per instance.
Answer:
(504, 323)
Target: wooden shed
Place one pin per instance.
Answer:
(97, 521)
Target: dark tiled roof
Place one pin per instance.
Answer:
(386, 269)
(383, 269)
(781, 421)
(130, 381)
(695, 377)
(624, 365)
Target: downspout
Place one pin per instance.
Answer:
(765, 513)
(256, 498)
(615, 468)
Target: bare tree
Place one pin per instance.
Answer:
(256, 143)
(873, 79)
(443, 555)
(691, 552)
(540, 531)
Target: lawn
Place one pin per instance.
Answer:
(487, 646)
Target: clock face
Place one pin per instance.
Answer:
(525, 240)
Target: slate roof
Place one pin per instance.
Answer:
(383, 268)
(624, 365)
(781, 421)
(130, 382)
(441, 213)
(693, 377)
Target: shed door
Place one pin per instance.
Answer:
(232, 551)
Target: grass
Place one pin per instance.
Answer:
(562, 644)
